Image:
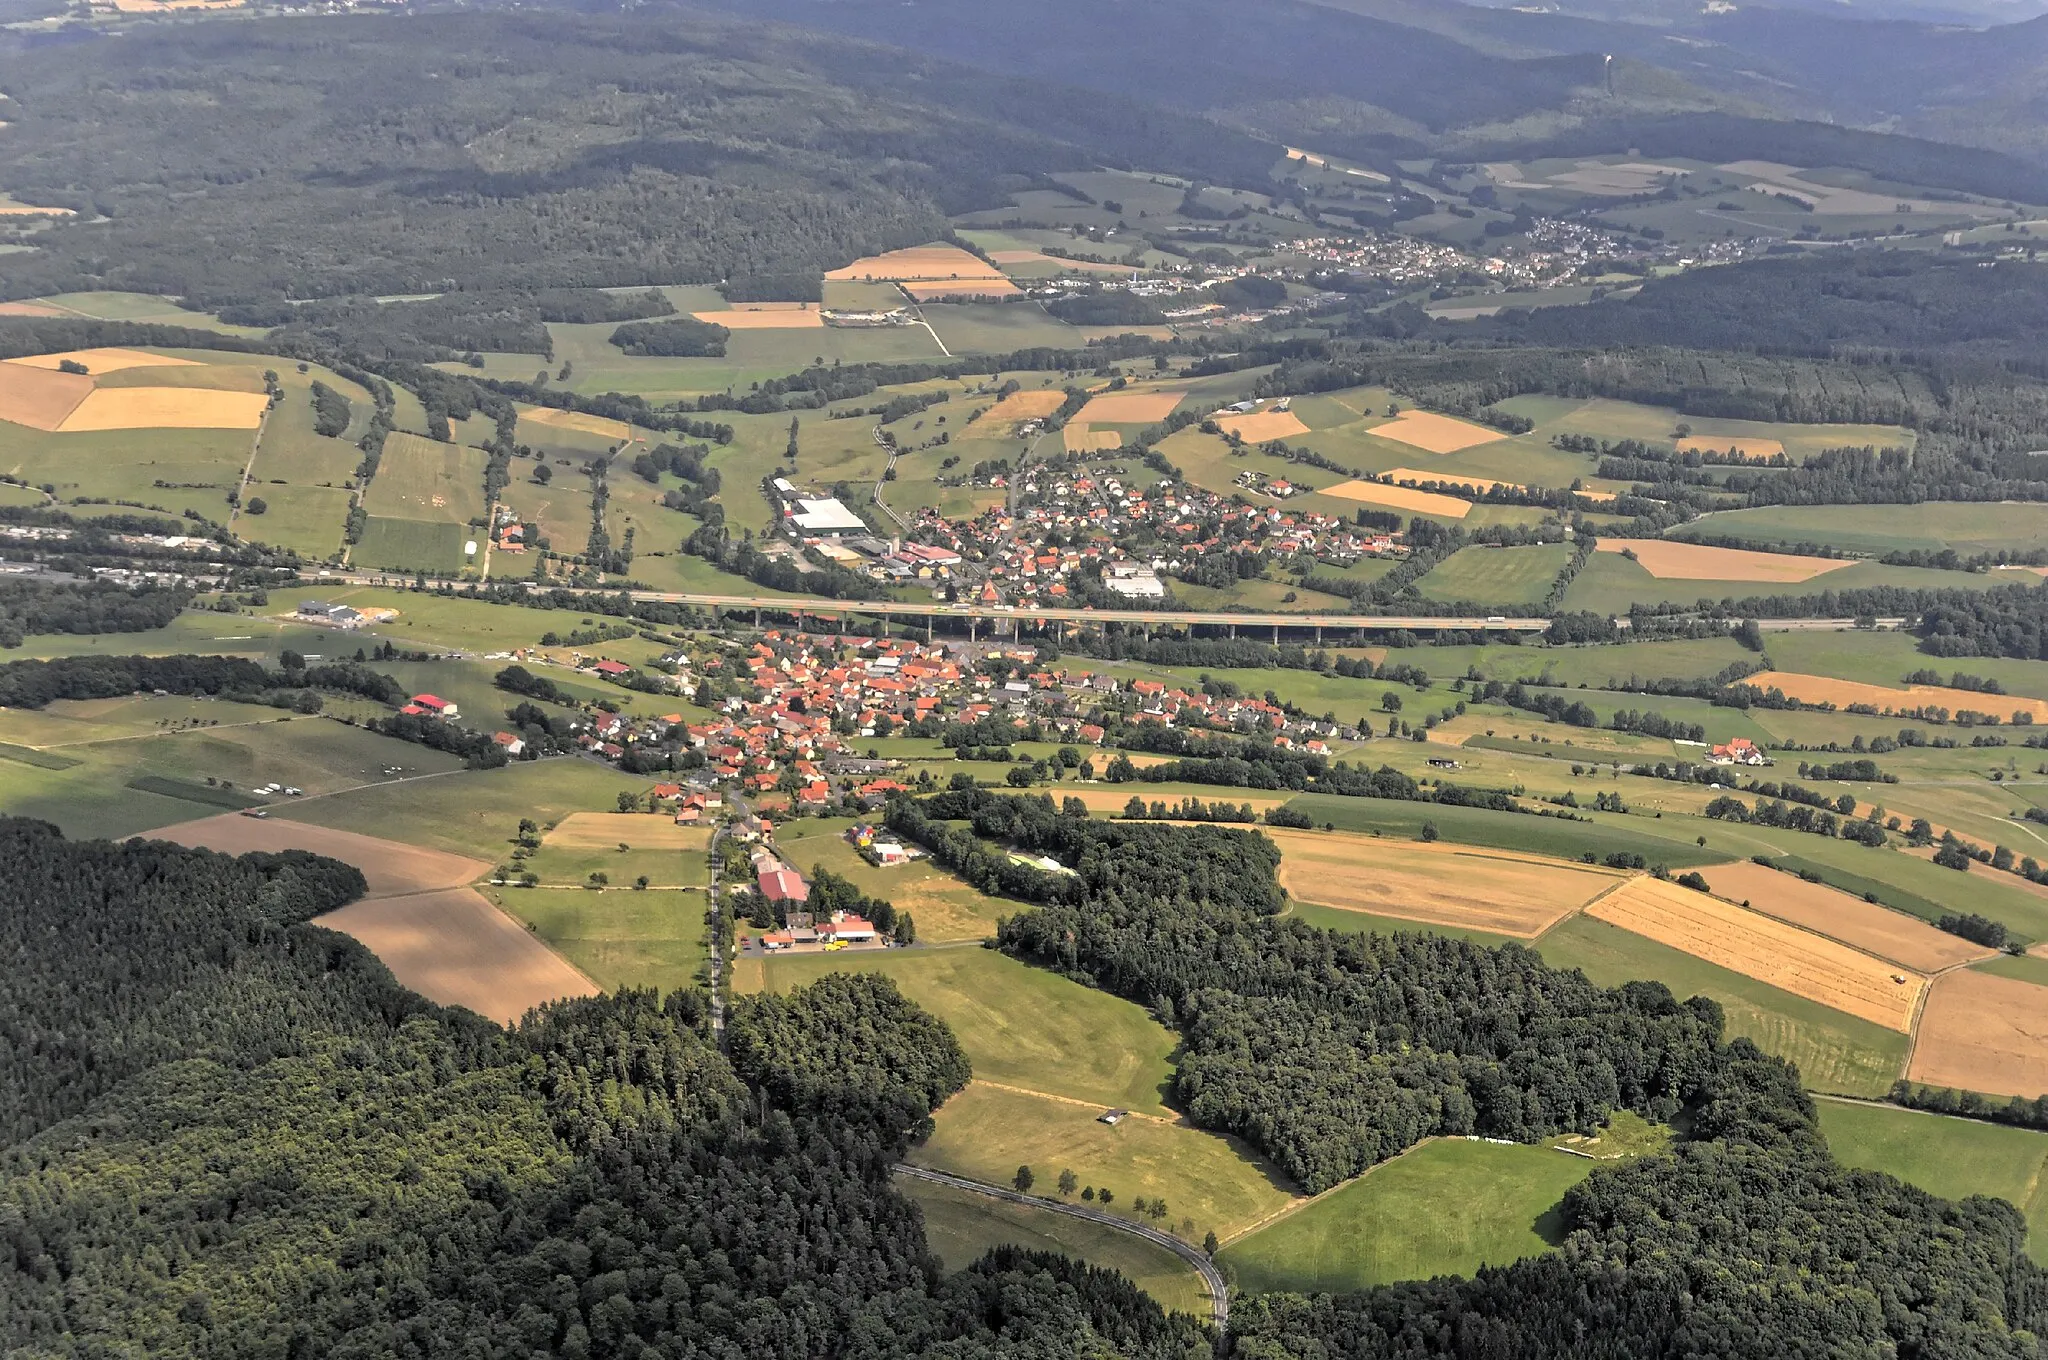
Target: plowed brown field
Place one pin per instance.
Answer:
(1984, 1033)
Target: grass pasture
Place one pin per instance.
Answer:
(1945, 1156)
(1021, 1026)
(669, 856)
(1497, 575)
(424, 479)
(1610, 584)
(946, 908)
(1514, 831)
(1210, 1183)
(469, 812)
(1966, 527)
(961, 1227)
(413, 545)
(619, 937)
(1834, 1051)
(1447, 1207)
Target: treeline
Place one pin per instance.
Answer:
(34, 684)
(1328, 1052)
(29, 608)
(286, 1153)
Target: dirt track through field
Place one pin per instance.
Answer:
(1497, 891)
(1982, 1032)
(1434, 433)
(438, 936)
(1830, 911)
(1765, 948)
(1672, 559)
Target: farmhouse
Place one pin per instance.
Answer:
(431, 705)
(1739, 751)
(612, 670)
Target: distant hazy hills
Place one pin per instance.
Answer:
(1421, 72)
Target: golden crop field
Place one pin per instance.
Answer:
(1497, 891)
(98, 361)
(1400, 498)
(1434, 433)
(1262, 425)
(766, 317)
(579, 421)
(1765, 948)
(1081, 439)
(641, 830)
(918, 262)
(165, 408)
(1821, 689)
(1670, 559)
(1129, 408)
(1001, 420)
(1480, 484)
(943, 290)
(1830, 911)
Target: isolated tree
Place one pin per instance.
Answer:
(1209, 1243)
(1429, 831)
(257, 505)
(1088, 1193)
(1068, 1180)
(1104, 1195)
(543, 474)
(629, 802)
(1023, 1179)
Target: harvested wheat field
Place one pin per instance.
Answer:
(454, 947)
(392, 868)
(763, 317)
(1262, 425)
(918, 262)
(958, 290)
(1669, 559)
(1981, 1032)
(1480, 484)
(28, 308)
(1821, 689)
(1766, 949)
(438, 937)
(1002, 419)
(1497, 891)
(39, 398)
(1434, 433)
(99, 361)
(1748, 448)
(10, 208)
(641, 830)
(1081, 439)
(1129, 408)
(578, 421)
(1008, 257)
(1400, 498)
(1830, 911)
(166, 408)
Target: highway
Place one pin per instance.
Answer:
(995, 613)
(1212, 1278)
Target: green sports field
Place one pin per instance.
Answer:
(1447, 1207)
(961, 1227)
(1834, 1052)
(1945, 1156)
(1497, 575)
(1021, 1026)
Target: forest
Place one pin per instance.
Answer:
(224, 1131)
(249, 163)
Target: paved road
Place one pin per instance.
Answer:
(1212, 1278)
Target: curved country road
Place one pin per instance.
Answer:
(1219, 1293)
